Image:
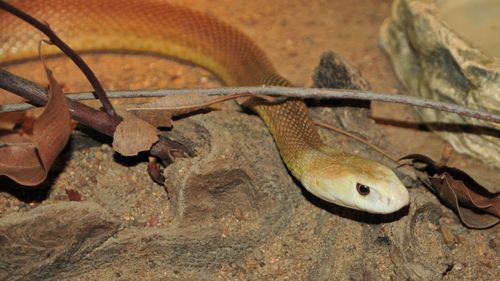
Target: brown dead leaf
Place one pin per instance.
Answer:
(134, 135)
(155, 117)
(456, 194)
(138, 130)
(9, 119)
(73, 195)
(27, 158)
(175, 105)
(160, 112)
(474, 204)
(154, 171)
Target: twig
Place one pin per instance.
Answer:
(99, 90)
(37, 95)
(87, 116)
(296, 93)
(361, 140)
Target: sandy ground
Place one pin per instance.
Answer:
(293, 34)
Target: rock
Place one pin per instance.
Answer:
(378, 248)
(235, 211)
(232, 196)
(448, 51)
(42, 243)
(352, 116)
(417, 249)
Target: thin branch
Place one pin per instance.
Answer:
(87, 116)
(37, 96)
(358, 139)
(99, 90)
(296, 93)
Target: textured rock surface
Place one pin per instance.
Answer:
(434, 62)
(42, 243)
(235, 212)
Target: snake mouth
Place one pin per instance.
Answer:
(395, 202)
(401, 200)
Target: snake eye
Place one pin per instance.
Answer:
(362, 189)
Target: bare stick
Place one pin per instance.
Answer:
(87, 116)
(296, 93)
(99, 90)
(354, 137)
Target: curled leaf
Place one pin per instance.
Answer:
(475, 210)
(27, 158)
(474, 204)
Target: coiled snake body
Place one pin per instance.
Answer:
(158, 27)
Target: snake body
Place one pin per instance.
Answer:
(158, 27)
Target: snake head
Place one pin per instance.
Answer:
(357, 183)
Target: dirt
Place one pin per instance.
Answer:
(293, 34)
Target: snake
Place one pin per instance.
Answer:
(174, 31)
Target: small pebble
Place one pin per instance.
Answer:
(274, 267)
(257, 254)
(99, 155)
(492, 242)
(106, 148)
(153, 221)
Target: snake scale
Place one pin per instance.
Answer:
(157, 27)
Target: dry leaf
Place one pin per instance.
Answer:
(160, 112)
(474, 204)
(155, 117)
(137, 132)
(175, 105)
(134, 135)
(455, 193)
(27, 158)
(9, 119)
(73, 195)
(154, 171)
